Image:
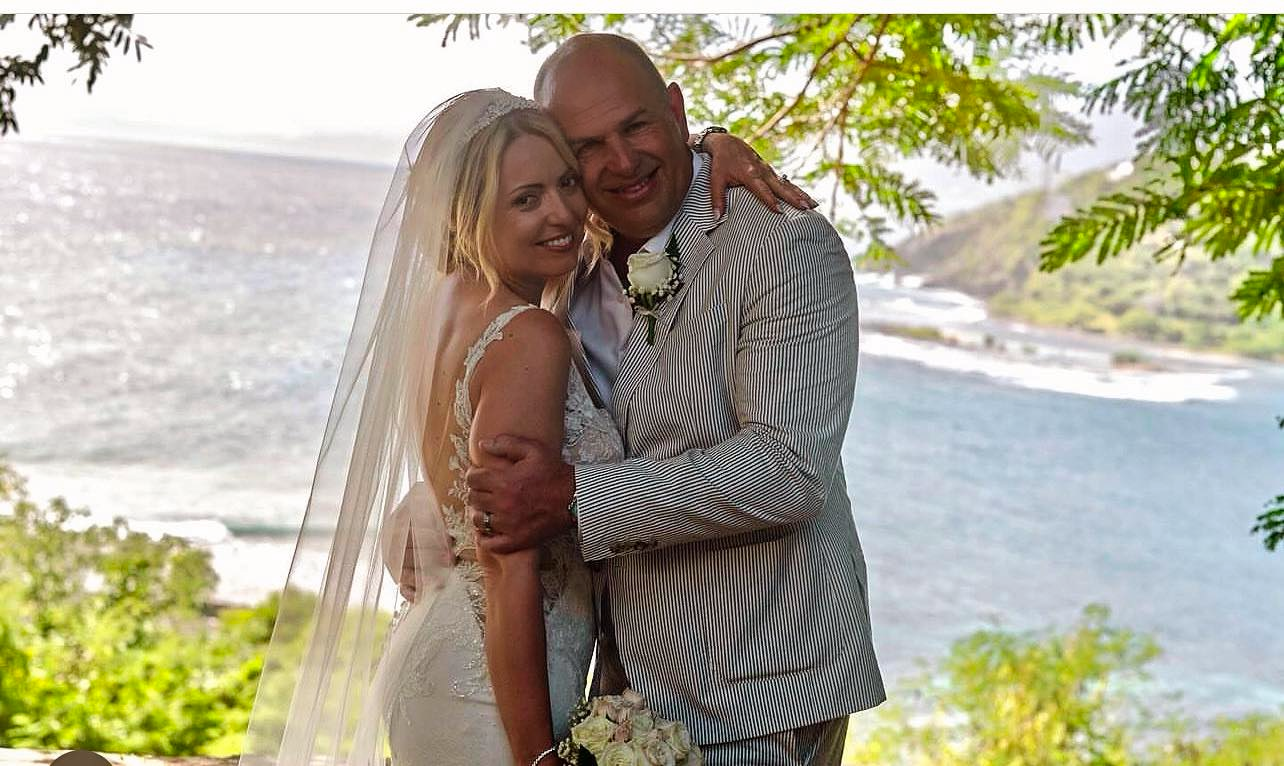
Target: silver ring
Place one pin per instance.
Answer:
(487, 530)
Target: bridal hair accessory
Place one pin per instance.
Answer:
(505, 103)
(653, 279)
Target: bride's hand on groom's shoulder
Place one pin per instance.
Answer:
(733, 162)
(526, 492)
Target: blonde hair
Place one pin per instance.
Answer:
(470, 243)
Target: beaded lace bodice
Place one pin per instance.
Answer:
(590, 437)
(438, 645)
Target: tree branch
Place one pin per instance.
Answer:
(850, 90)
(780, 114)
(873, 50)
(698, 58)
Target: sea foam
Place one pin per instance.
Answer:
(1158, 386)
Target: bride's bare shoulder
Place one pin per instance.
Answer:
(531, 340)
(522, 380)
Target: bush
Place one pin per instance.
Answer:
(108, 642)
(1049, 699)
(105, 643)
(1255, 740)
(1008, 698)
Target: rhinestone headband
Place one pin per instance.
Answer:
(505, 103)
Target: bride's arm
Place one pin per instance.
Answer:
(733, 162)
(521, 389)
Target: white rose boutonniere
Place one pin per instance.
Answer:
(653, 279)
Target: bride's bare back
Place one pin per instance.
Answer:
(500, 366)
(463, 310)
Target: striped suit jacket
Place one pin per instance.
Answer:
(735, 578)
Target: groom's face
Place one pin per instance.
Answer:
(629, 134)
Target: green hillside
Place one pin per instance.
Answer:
(992, 253)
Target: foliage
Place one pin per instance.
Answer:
(106, 641)
(1209, 91)
(926, 333)
(991, 252)
(109, 640)
(1271, 522)
(127, 655)
(1050, 698)
(1256, 739)
(1006, 698)
(91, 37)
(843, 97)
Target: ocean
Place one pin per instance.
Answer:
(172, 321)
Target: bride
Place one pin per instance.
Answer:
(484, 656)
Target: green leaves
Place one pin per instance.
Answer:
(1261, 292)
(1112, 224)
(1005, 698)
(91, 37)
(1270, 524)
(104, 640)
(1063, 698)
(1212, 134)
(843, 97)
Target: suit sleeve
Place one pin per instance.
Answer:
(794, 379)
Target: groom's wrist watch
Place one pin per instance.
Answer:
(702, 135)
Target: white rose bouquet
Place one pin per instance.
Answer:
(620, 730)
(653, 279)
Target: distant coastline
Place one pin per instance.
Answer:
(247, 149)
(1129, 353)
(992, 254)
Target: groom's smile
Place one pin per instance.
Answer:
(627, 130)
(636, 190)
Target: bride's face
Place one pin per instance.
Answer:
(539, 215)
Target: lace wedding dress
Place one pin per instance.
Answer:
(436, 693)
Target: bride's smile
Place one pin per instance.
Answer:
(539, 221)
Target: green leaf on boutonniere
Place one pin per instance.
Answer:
(652, 281)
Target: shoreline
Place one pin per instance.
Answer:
(944, 329)
(972, 311)
(1145, 354)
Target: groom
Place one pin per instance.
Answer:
(734, 579)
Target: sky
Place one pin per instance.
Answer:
(351, 86)
(346, 85)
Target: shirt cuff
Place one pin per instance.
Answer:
(591, 482)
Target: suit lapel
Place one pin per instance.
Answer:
(691, 232)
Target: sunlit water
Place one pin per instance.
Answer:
(171, 323)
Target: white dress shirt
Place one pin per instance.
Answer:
(600, 312)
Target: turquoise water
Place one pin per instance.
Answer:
(171, 323)
(979, 502)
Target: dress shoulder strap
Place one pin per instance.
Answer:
(494, 331)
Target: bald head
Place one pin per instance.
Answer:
(592, 51)
(628, 131)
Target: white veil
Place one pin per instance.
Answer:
(316, 703)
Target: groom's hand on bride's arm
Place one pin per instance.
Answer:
(527, 494)
(732, 162)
